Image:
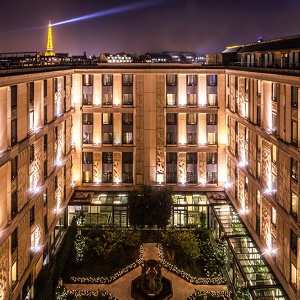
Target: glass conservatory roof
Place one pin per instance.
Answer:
(251, 261)
(229, 220)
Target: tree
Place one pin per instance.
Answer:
(149, 206)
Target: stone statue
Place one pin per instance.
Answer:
(151, 276)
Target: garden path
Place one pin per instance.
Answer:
(121, 288)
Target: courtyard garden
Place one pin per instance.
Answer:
(103, 255)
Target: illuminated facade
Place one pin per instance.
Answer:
(80, 135)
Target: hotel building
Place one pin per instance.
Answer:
(223, 135)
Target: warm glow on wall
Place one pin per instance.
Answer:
(223, 139)
(202, 138)
(117, 101)
(160, 178)
(96, 100)
(182, 101)
(182, 139)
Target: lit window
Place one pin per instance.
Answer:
(273, 216)
(294, 133)
(14, 273)
(294, 205)
(212, 99)
(171, 99)
(293, 275)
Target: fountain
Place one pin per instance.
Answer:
(151, 285)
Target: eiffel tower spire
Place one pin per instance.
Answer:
(49, 51)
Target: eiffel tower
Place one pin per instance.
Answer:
(49, 51)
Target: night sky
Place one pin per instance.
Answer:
(140, 26)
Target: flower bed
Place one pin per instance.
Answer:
(112, 278)
(195, 280)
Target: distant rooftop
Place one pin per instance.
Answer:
(286, 43)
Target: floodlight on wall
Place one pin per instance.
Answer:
(242, 164)
(244, 211)
(160, 178)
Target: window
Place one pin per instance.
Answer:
(211, 138)
(127, 119)
(87, 118)
(171, 79)
(211, 119)
(87, 97)
(31, 153)
(246, 184)
(211, 177)
(87, 157)
(107, 80)
(258, 143)
(14, 204)
(45, 112)
(171, 128)
(45, 197)
(258, 88)
(293, 242)
(107, 118)
(14, 240)
(107, 167)
(211, 157)
(191, 80)
(258, 116)
(171, 99)
(212, 99)
(274, 92)
(274, 154)
(127, 128)
(294, 206)
(274, 123)
(127, 167)
(191, 167)
(192, 99)
(191, 119)
(294, 169)
(31, 218)
(171, 119)
(55, 85)
(31, 91)
(14, 137)
(107, 99)
(14, 96)
(211, 80)
(294, 276)
(127, 99)
(87, 80)
(294, 97)
(107, 128)
(14, 168)
(87, 167)
(127, 79)
(294, 133)
(171, 158)
(247, 80)
(14, 274)
(45, 87)
(273, 216)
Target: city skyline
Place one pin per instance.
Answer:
(144, 26)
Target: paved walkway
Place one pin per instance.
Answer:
(121, 288)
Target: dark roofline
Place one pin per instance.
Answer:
(290, 42)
